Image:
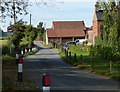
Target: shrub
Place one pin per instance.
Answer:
(105, 52)
(5, 49)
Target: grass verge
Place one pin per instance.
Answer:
(9, 75)
(50, 47)
(95, 65)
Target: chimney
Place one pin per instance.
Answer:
(96, 7)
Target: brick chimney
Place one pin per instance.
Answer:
(96, 7)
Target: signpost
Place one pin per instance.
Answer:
(10, 30)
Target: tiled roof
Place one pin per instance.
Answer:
(67, 29)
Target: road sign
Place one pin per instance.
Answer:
(9, 29)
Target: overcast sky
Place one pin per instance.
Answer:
(58, 10)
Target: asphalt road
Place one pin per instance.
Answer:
(64, 77)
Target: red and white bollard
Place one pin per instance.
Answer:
(17, 56)
(29, 50)
(25, 50)
(20, 69)
(46, 83)
(22, 51)
(34, 47)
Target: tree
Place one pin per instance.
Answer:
(110, 27)
(40, 29)
(13, 8)
(19, 28)
(30, 35)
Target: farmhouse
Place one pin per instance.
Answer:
(97, 21)
(90, 36)
(63, 31)
(94, 30)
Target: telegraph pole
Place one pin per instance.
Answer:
(14, 14)
(30, 19)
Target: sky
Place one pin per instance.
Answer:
(57, 10)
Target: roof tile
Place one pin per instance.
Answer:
(67, 29)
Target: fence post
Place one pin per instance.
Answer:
(67, 53)
(81, 58)
(70, 55)
(46, 83)
(75, 56)
(62, 49)
(110, 67)
(92, 64)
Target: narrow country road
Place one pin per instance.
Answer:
(64, 77)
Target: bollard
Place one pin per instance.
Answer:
(22, 51)
(17, 56)
(25, 50)
(46, 82)
(20, 69)
(32, 48)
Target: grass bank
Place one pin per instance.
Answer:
(48, 46)
(10, 75)
(96, 65)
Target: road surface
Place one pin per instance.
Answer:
(64, 77)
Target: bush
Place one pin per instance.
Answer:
(5, 49)
(105, 52)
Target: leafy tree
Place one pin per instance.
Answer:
(30, 35)
(110, 29)
(13, 8)
(18, 33)
(40, 29)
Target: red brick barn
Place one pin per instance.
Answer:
(63, 31)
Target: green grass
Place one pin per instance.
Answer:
(48, 46)
(3, 42)
(9, 76)
(98, 65)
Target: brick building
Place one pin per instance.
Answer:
(97, 21)
(63, 31)
(90, 35)
(94, 30)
